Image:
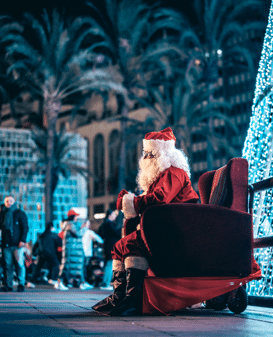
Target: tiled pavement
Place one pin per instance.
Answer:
(44, 312)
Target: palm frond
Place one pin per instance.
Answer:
(40, 32)
(26, 52)
(9, 28)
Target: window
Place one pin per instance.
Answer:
(99, 208)
(98, 160)
(131, 168)
(114, 150)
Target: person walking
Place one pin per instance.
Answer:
(71, 268)
(88, 237)
(29, 264)
(14, 227)
(109, 231)
(47, 252)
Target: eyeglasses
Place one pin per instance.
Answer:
(148, 155)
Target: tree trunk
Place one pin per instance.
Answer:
(14, 114)
(52, 109)
(122, 157)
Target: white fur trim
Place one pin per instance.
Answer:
(137, 262)
(158, 145)
(118, 265)
(128, 206)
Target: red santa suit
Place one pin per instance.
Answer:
(173, 185)
(165, 178)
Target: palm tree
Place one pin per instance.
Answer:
(9, 91)
(67, 158)
(57, 62)
(211, 41)
(134, 38)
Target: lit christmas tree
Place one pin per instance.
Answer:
(258, 150)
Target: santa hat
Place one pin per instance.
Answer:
(159, 141)
(72, 212)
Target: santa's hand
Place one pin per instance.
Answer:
(119, 200)
(21, 244)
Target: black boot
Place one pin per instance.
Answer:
(132, 303)
(119, 284)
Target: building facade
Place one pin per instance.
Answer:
(104, 140)
(16, 145)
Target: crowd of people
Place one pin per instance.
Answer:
(62, 260)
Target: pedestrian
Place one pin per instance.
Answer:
(29, 264)
(14, 226)
(110, 233)
(71, 268)
(164, 177)
(88, 237)
(48, 243)
(60, 249)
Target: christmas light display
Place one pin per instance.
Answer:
(258, 150)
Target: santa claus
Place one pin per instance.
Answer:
(164, 177)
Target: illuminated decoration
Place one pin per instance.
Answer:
(258, 150)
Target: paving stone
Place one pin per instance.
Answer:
(44, 312)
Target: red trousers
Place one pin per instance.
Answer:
(130, 245)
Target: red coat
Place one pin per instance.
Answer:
(171, 186)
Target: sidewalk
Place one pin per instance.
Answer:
(44, 312)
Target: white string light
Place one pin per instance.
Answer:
(258, 150)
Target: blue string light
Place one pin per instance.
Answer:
(258, 150)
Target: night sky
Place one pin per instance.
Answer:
(16, 8)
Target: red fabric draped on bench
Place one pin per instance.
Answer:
(179, 293)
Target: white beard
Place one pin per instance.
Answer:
(149, 170)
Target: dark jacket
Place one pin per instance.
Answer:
(20, 228)
(72, 253)
(110, 234)
(48, 244)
